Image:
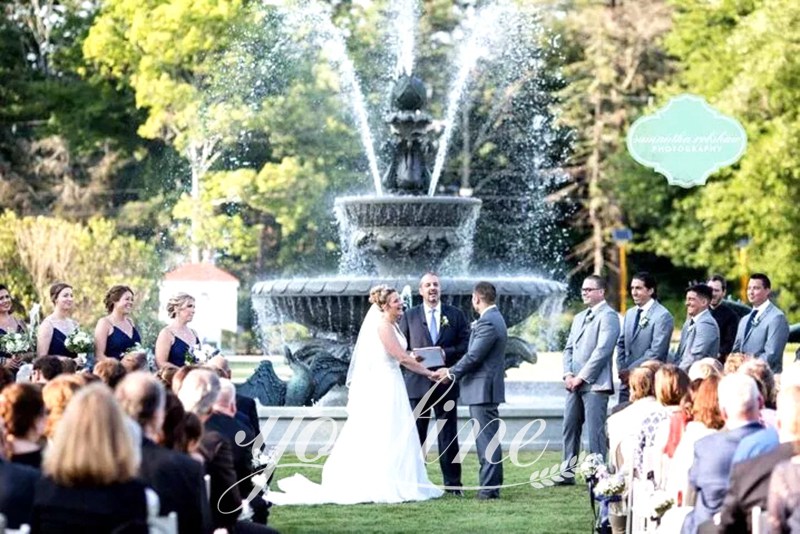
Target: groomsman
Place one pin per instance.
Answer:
(726, 318)
(646, 331)
(587, 371)
(436, 324)
(764, 332)
(700, 333)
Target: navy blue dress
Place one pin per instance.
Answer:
(178, 350)
(57, 347)
(118, 342)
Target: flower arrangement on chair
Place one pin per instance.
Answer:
(607, 488)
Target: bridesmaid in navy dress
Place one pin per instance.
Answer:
(58, 325)
(176, 340)
(115, 333)
(8, 324)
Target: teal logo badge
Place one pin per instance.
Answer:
(687, 140)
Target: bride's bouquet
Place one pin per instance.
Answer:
(79, 342)
(15, 343)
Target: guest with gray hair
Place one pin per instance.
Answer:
(176, 477)
(240, 438)
(740, 402)
(198, 393)
(246, 410)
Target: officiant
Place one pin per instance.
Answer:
(434, 324)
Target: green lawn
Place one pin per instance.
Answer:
(521, 508)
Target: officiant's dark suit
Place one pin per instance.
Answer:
(452, 335)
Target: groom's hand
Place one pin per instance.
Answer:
(440, 375)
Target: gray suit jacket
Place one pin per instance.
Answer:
(481, 371)
(589, 349)
(651, 341)
(767, 338)
(700, 341)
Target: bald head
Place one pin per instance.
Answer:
(219, 362)
(142, 397)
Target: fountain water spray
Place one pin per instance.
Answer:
(405, 14)
(486, 30)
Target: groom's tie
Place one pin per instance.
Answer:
(433, 328)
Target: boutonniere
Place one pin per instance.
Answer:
(590, 318)
(756, 320)
(644, 321)
(472, 325)
(445, 322)
(691, 327)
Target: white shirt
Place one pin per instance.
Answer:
(761, 309)
(487, 309)
(699, 315)
(646, 307)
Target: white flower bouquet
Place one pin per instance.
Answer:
(590, 466)
(200, 354)
(79, 342)
(135, 349)
(610, 485)
(15, 343)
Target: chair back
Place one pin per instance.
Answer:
(758, 520)
(165, 524)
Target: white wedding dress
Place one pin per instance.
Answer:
(377, 456)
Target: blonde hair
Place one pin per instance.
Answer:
(175, 303)
(57, 393)
(380, 294)
(93, 445)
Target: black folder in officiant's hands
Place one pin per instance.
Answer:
(431, 356)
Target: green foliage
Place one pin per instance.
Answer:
(37, 251)
(744, 58)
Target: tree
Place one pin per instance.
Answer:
(743, 58)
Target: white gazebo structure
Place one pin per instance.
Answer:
(215, 294)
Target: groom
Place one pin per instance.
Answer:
(480, 374)
(436, 324)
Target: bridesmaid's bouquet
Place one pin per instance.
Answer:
(79, 342)
(15, 343)
(200, 354)
(135, 349)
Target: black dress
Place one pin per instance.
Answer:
(119, 342)
(57, 347)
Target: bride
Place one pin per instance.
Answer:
(377, 456)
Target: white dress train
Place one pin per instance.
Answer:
(377, 456)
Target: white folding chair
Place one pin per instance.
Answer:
(207, 480)
(166, 524)
(23, 529)
(758, 520)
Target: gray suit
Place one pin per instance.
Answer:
(698, 341)
(480, 374)
(650, 341)
(588, 355)
(766, 339)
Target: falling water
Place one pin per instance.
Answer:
(330, 40)
(405, 14)
(484, 31)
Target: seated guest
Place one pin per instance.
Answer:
(739, 402)
(749, 480)
(704, 419)
(22, 412)
(784, 497)
(734, 361)
(17, 485)
(624, 426)
(110, 372)
(246, 410)
(115, 334)
(90, 469)
(198, 392)
(46, 368)
(671, 384)
(56, 394)
(223, 420)
(176, 478)
(766, 439)
(166, 373)
(704, 368)
(134, 361)
(68, 365)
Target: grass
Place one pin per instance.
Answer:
(521, 508)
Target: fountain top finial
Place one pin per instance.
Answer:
(409, 93)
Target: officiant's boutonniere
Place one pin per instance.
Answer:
(644, 321)
(445, 322)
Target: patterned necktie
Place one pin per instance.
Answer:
(433, 328)
(636, 321)
(750, 321)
